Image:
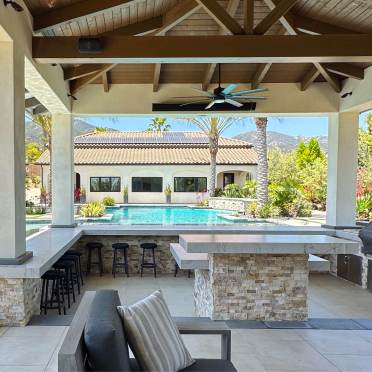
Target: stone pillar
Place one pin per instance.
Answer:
(12, 155)
(62, 171)
(253, 287)
(342, 169)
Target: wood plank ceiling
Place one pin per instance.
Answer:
(203, 17)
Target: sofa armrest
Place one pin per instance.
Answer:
(206, 326)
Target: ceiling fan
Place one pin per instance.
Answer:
(224, 95)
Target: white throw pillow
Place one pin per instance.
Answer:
(153, 337)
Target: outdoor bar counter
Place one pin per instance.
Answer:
(257, 276)
(20, 284)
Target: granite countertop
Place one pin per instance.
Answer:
(267, 244)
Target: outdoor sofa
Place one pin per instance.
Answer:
(106, 344)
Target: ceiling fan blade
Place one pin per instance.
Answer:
(192, 102)
(249, 97)
(234, 103)
(229, 89)
(249, 91)
(210, 105)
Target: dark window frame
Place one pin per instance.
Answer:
(196, 184)
(99, 183)
(145, 191)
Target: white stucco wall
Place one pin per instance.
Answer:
(168, 172)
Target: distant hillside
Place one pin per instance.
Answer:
(282, 141)
(35, 134)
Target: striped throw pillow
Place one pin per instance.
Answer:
(153, 337)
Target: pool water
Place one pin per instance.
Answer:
(166, 216)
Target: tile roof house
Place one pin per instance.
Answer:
(146, 162)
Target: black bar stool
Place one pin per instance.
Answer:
(91, 246)
(73, 252)
(147, 264)
(56, 294)
(75, 273)
(117, 247)
(66, 267)
(176, 268)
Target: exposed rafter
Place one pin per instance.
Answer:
(276, 13)
(346, 69)
(77, 72)
(156, 77)
(286, 20)
(332, 80)
(309, 77)
(78, 84)
(106, 81)
(221, 16)
(248, 16)
(260, 74)
(232, 7)
(74, 11)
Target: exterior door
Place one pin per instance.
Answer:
(228, 179)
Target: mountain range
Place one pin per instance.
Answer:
(282, 141)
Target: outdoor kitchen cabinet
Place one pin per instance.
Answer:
(349, 267)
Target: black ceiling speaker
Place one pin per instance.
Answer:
(90, 45)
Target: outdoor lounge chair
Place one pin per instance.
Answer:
(75, 356)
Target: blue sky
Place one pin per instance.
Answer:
(295, 126)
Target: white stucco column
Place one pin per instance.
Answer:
(342, 168)
(12, 155)
(62, 171)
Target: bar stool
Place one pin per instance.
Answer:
(75, 273)
(91, 246)
(66, 267)
(117, 247)
(147, 264)
(56, 295)
(73, 252)
(176, 268)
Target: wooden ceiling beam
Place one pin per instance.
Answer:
(232, 7)
(72, 73)
(209, 49)
(76, 85)
(309, 78)
(74, 11)
(106, 81)
(248, 16)
(156, 77)
(332, 80)
(286, 20)
(221, 16)
(175, 15)
(347, 70)
(278, 12)
(260, 74)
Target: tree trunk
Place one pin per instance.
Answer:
(262, 165)
(213, 149)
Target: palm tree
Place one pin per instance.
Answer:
(44, 121)
(100, 130)
(213, 127)
(158, 125)
(262, 165)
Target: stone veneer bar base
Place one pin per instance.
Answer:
(19, 300)
(253, 287)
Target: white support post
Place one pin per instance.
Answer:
(342, 169)
(12, 156)
(62, 171)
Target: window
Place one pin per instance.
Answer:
(147, 184)
(104, 184)
(190, 184)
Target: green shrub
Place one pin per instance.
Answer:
(364, 207)
(249, 189)
(92, 209)
(233, 191)
(168, 190)
(218, 192)
(108, 201)
(203, 203)
(31, 210)
(268, 210)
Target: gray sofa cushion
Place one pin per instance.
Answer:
(104, 337)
